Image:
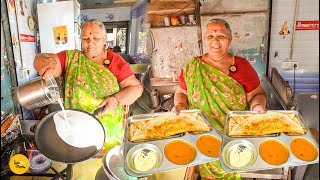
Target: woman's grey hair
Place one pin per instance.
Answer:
(222, 22)
(96, 22)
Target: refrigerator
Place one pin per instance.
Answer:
(59, 26)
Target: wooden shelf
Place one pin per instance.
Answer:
(173, 26)
(163, 8)
(171, 12)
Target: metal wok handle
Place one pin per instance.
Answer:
(97, 111)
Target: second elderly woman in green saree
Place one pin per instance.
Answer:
(216, 83)
(93, 78)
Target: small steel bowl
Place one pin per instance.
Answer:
(136, 150)
(234, 144)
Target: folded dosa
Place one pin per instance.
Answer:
(168, 125)
(263, 124)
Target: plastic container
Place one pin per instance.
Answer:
(174, 20)
(166, 21)
(191, 19)
(183, 19)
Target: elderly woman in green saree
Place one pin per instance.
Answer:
(218, 82)
(93, 78)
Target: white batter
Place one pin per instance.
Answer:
(240, 156)
(145, 160)
(79, 130)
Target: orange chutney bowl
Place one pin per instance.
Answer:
(180, 152)
(208, 145)
(303, 149)
(274, 152)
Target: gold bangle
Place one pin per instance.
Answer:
(116, 99)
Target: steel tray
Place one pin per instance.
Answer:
(258, 163)
(165, 164)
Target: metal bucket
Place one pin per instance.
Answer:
(38, 93)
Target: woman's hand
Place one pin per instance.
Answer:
(47, 65)
(258, 100)
(180, 100)
(258, 107)
(177, 108)
(110, 104)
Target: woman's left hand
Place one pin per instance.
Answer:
(258, 107)
(110, 104)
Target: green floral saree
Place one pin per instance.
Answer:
(87, 84)
(215, 93)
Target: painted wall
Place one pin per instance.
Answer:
(172, 49)
(24, 42)
(24, 50)
(222, 6)
(306, 43)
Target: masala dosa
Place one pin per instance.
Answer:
(263, 124)
(167, 125)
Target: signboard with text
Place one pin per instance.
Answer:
(307, 25)
(27, 38)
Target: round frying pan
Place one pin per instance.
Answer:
(52, 146)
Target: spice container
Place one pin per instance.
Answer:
(174, 20)
(167, 21)
(183, 19)
(191, 19)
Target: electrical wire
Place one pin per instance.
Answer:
(153, 43)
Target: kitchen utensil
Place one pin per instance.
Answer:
(37, 93)
(155, 99)
(254, 143)
(167, 103)
(113, 164)
(52, 146)
(132, 149)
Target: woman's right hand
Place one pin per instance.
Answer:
(177, 108)
(180, 100)
(47, 65)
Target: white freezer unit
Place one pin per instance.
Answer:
(59, 26)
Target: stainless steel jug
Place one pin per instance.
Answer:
(38, 93)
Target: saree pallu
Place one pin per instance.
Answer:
(87, 85)
(215, 93)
